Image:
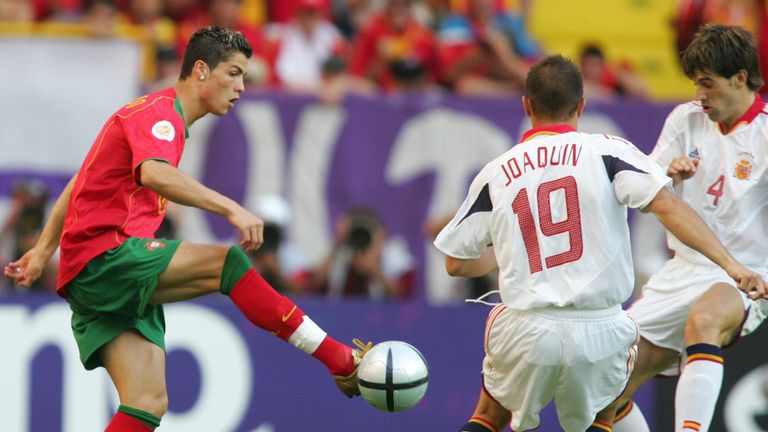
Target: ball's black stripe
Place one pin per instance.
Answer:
(389, 381)
(400, 386)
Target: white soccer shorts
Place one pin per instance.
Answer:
(580, 358)
(667, 297)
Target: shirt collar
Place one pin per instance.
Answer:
(177, 107)
(547, 130)
(752, 112)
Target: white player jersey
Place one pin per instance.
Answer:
(730, 187)
(555, 209)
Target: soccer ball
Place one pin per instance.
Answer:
(393, 376)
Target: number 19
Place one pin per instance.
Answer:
(571, 224)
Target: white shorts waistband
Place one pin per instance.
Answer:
(576, 314)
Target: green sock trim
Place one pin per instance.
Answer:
(148, 419)
(235, 266)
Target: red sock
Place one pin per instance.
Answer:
(269, 310)
(122, 422)
(263, 306)
(336, 356)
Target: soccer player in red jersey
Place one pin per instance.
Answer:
(116, 276)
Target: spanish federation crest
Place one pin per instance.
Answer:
(743, 169)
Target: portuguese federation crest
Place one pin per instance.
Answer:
(154, 245)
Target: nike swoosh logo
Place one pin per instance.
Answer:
(288, 315)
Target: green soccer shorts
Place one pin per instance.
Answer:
(111, 295)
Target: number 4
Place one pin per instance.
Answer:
(716, 189)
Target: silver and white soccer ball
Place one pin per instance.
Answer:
(393, 376)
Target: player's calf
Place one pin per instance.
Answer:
(477, 424)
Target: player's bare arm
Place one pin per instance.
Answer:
(179, 187)
(682, 168)
(29, 267)
(476, 267)
(685, 224)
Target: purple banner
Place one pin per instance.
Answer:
(224, 375)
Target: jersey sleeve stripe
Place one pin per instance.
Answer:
(614, 165)
(482, 203)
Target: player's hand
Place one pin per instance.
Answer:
(26, 270)
(250, 226)
(749, 282)
(682, 168)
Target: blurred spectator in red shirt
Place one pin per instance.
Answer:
(57, 10)
(225, 13)
(478, 52)
(180, 10)
(603, 81)
(391, 41)
(284, 11)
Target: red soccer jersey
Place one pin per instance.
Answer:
(379, 40)
(108, 204)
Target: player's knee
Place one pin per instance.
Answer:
(236, 264)
(700, 325)
(157, 404)
(154, 402)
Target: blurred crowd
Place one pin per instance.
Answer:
(331, 47)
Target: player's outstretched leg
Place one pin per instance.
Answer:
(269, 310)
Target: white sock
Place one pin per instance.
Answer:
(630, 419)
(308, 336)
(698, 388)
